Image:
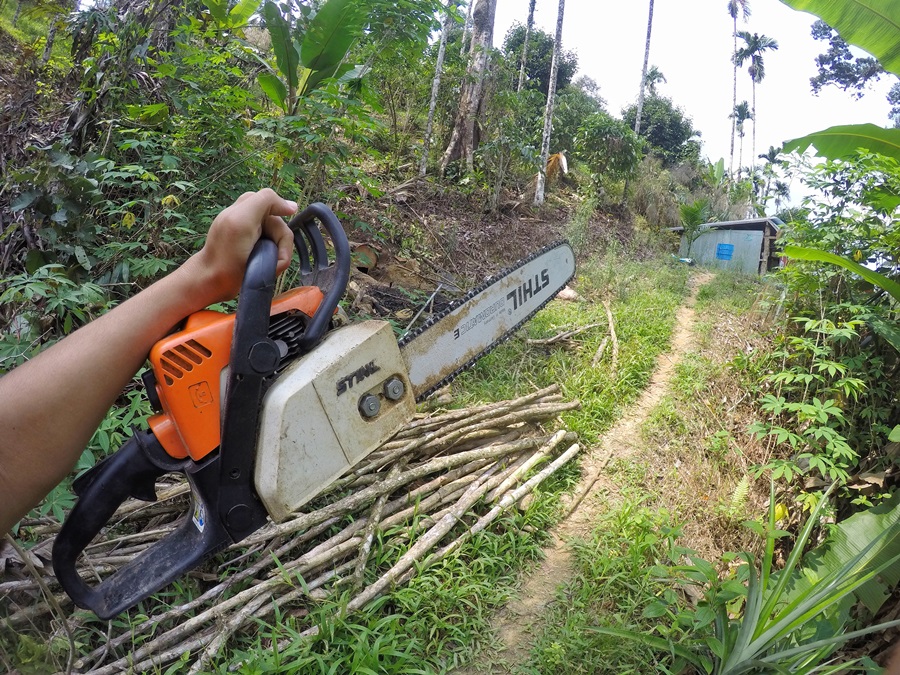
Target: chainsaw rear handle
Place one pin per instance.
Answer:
(130, 472)
(216, 485)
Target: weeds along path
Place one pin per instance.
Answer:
(513, 624)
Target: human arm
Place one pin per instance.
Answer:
(50, 406)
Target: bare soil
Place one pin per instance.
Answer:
(514, 625)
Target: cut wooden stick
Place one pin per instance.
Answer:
(612, 337)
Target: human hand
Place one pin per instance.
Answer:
(232, 235)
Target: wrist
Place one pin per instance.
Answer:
(200, 283)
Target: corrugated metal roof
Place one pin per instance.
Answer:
(776, 223)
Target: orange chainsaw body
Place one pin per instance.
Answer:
(188, 366)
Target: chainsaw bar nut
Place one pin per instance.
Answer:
(394, 389)
(369, 405)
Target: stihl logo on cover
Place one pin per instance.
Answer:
(356, 377)
(523, 293)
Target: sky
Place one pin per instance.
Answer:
(692, 44)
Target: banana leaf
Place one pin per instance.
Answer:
(872, 25)
(851, 536)
(286, 55)
(333, 29)
(844, 141)
(871, 276)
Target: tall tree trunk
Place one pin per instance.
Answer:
(436, 85)
(528, 27)
(640, 103)
(548, 111)
(753, 145)
(466, 27)
(740, 156)
(51, 36)
(464, 139)
(733, 101)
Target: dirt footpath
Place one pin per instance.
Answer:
(514, 624)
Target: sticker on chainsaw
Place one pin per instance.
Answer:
(199, 516)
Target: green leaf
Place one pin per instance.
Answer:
(314, 77)
(887, 331)
(333, 29)
(871, 276)
(274, 89)
(82, 258)
(843, 141)
(872, 25)
(242, 11)
(894, 436)
(34, 260)
(286, 55)
(218, 9)
(24, 200)
(655, 609)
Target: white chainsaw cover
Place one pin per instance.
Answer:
(311, 428)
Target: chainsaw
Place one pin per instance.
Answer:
(262, 409)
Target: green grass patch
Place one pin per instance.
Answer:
(32, 25)
(644, 298)
(614, 585)
(729, 291)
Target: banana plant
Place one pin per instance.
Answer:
(304, 59)
(872, 25)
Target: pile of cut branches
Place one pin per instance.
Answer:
(443, 478)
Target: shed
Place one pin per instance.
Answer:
(746, 246)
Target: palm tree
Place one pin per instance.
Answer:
(735, 7)
(756, 45)
(653, 77)
(740, 115)
(640, 103)
(768, 168)
(528, 26)
(548, 110)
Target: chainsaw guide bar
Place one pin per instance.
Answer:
(452, 341)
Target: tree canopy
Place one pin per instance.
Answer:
(540, 57)
(669, 133)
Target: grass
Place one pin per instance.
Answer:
(613, 584)
(30, 30)
(688, 486)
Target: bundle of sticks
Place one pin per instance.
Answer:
(442, 479)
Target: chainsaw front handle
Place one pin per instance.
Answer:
(315, 268)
